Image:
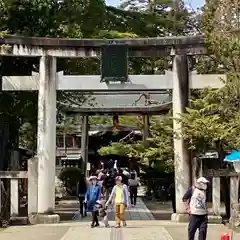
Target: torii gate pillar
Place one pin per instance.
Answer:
(84, 142)
(46, 136)
(180, 96)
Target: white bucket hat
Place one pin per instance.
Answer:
(202, 180)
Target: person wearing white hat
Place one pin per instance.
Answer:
(92, 195)
(202, 180)
(196, 199)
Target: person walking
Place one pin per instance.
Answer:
(171, 193)
(133, 171)
(125, 178)
(120, 198)
(100, 178)
(92, 195)
(107, 183)
(133, 188)
(196, 199)
(126, 172)
(81, 190)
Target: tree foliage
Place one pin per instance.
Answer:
(156, 151)
(82, 19)
(213, 119)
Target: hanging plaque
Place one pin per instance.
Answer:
(114, 63)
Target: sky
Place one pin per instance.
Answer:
(194, 3)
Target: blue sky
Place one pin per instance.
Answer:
(194, 3)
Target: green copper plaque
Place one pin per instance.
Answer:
(114, 63)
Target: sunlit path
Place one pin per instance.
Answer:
(139, 212)
(67, 209)
(136, 230)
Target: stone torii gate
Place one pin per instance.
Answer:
(48, 81)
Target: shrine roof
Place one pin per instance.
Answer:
(115, 99)
(93, 129)
(149, 110)
(109, 128)
(121, 103)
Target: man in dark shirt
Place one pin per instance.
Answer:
(107, 183)
(171, 192)
(81, 190)
(113, 176)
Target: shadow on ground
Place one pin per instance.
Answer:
(160, 210)
(69, 212)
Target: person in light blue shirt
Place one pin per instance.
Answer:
(92, 195)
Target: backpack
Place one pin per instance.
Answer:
(188, 203)
(133, 183)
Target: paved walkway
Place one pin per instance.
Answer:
(67, 210)
(136, 230)
(139, 212)
(141, 226)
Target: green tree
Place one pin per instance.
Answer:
(212, 121)
(159, 21)
(172, 16)
(40, 18)
(75, 19)
(156, 152)
(218, 110)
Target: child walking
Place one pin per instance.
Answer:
(102, 211)
(120, 198)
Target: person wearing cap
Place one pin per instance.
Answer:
(92, 195)
(196, 198)
(120, 198)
